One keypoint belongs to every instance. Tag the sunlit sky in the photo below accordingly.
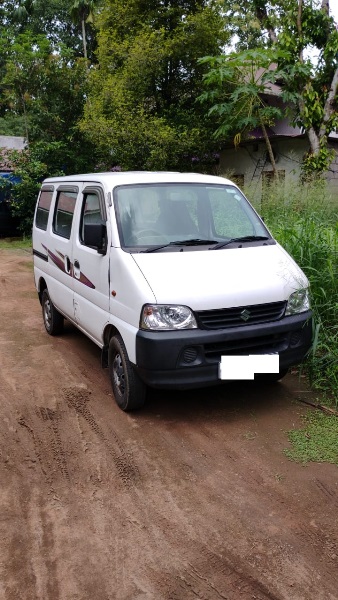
(334, 9)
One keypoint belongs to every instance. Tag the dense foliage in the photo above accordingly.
(141, 108)
(288, 33)
(307, 227)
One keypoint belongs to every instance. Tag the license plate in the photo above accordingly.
(245, 367)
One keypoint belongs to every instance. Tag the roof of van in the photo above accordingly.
(124, 177)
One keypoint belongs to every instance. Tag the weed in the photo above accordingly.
(317, 442)
(16, 243)
(306, 224)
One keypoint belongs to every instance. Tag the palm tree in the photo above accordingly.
(83, 11)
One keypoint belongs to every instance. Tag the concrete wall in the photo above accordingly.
(252, 162)
(11, 142)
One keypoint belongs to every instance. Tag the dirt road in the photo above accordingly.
(192, 498)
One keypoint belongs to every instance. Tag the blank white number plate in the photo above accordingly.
(245, 367)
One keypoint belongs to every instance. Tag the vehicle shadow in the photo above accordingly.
(228, 401)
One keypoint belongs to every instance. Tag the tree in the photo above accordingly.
(83, 11)
(52, 19)
(289, 29)
(30, 167)
(237, 88)
(141, 109)
(48, 90)
(38, 42)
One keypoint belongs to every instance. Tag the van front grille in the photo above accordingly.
(267, 344)
(240, 315)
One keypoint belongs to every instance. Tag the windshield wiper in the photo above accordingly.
(245, 238)
(189, 242)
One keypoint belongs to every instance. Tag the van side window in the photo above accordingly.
(43, 208)
(64, 211)
(91, 212)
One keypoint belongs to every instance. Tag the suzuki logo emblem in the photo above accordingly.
(245, 315)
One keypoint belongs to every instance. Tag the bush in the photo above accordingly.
(30, 167)
(307, 227)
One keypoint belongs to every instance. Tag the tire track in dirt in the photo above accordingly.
(309, 536)
(197, 570)
(330, 494)
(52, 417)
(29, 574)
(48, 442)
(44, 563)
(210, 577)
(40, 453)
(128, 472)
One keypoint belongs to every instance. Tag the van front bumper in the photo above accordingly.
(189, 358)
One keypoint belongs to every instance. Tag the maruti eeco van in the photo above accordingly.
(174, 276)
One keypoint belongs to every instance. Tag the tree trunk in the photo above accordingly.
(25, 119)
(314, 141)
(270, 151)
(326, 6)
(329, 105)
(84, 41)
(263, 18)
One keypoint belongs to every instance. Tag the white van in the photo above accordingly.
(173, 275)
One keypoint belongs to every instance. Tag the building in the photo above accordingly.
(250, 164)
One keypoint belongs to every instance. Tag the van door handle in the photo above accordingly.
(67, 265)
(77, 272)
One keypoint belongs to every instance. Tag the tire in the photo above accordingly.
(52, 319)
(129, 390)
(271, 377)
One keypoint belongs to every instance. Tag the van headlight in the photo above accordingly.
(161, 317)
(298, 302)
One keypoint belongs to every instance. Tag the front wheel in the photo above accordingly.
(52, 319)
(129, 390)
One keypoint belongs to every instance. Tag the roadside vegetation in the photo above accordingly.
(316, 441)
(24, 243)
(304, 220)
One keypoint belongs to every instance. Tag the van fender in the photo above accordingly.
(128, 334)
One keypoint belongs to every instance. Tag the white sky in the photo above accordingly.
(334, 9)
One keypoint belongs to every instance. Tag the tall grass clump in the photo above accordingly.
(304, 219)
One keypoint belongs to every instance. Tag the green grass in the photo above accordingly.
(15, 243)
(317, 441)
(305, 221)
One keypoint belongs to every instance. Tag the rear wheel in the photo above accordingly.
(129, 390)
(53, 320)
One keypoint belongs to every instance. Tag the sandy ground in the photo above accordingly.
(191, 498)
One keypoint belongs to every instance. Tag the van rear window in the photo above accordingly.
(64, 211)
(43, 208)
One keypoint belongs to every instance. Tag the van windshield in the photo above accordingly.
(163, 217)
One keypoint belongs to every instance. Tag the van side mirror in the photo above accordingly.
(95, 236)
